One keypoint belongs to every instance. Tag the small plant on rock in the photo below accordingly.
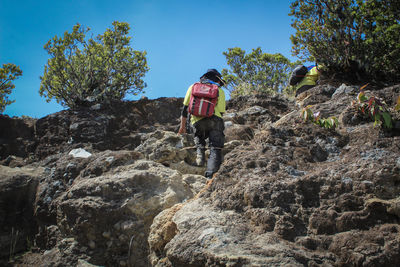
(374, 108)
(308, 115)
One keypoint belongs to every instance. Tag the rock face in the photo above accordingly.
(117, 127)
(17, 193)
(17, 140)
(108, 212)
(295, 195)
(118, 187)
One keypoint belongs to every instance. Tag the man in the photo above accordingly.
(309, 80)
(207, 127)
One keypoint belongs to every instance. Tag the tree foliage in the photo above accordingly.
(97, 69)
(256, 72)
(8, 73)
(343, 33)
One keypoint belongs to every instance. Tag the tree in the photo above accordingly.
(99, 70)
(345, 33)
(256, 72)
(8, 73)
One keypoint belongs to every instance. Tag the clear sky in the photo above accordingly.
(182, 38)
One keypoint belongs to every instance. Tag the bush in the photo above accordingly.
(256, 72)
(98, 70)
(8, 73)
(349, 34)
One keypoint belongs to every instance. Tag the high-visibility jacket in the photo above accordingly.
(310, 78)
(219, 108)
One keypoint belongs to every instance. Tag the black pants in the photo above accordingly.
(303, 89)
(213, 129)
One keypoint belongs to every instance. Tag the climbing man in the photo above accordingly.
(205, 101)
(304, 78)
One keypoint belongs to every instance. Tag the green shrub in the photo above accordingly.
(345, 33)
(8, 73)
(98, 69)
(256, 72)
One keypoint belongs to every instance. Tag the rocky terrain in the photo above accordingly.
(117, 186)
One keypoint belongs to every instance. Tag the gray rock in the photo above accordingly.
(17, 197)
(126, 200)
(293, 194)
(80, 153)
(344, 90)
(168, 148)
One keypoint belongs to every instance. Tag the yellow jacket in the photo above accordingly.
(219, 108)
(310, 79)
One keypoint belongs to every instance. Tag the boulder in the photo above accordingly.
(111, 214)
(17, 138)
(17, 194)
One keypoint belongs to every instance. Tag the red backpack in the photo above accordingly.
(203, 99)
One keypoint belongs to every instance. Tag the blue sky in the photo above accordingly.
(182, 38)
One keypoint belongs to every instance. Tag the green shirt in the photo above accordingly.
(219, 108)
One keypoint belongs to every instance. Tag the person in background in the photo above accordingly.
(309, 81)
(207, 127)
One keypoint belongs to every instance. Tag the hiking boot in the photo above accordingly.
(214, 160)
(208, 174)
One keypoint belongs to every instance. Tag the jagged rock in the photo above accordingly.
(194, 182)
(17, 137)
(296, 194)
(275, 105)
(238, 132)
(162, 230)
(172, 150)
(60, 173)
(114, 127)
(113, 196)
(79, 153)
(66, 252)
(17, 194)
(166, 147)
(288, 192)
(315, 95)
(344, 90)
(185, 168)
(206, 236)
(114, 211)
(13, 161)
